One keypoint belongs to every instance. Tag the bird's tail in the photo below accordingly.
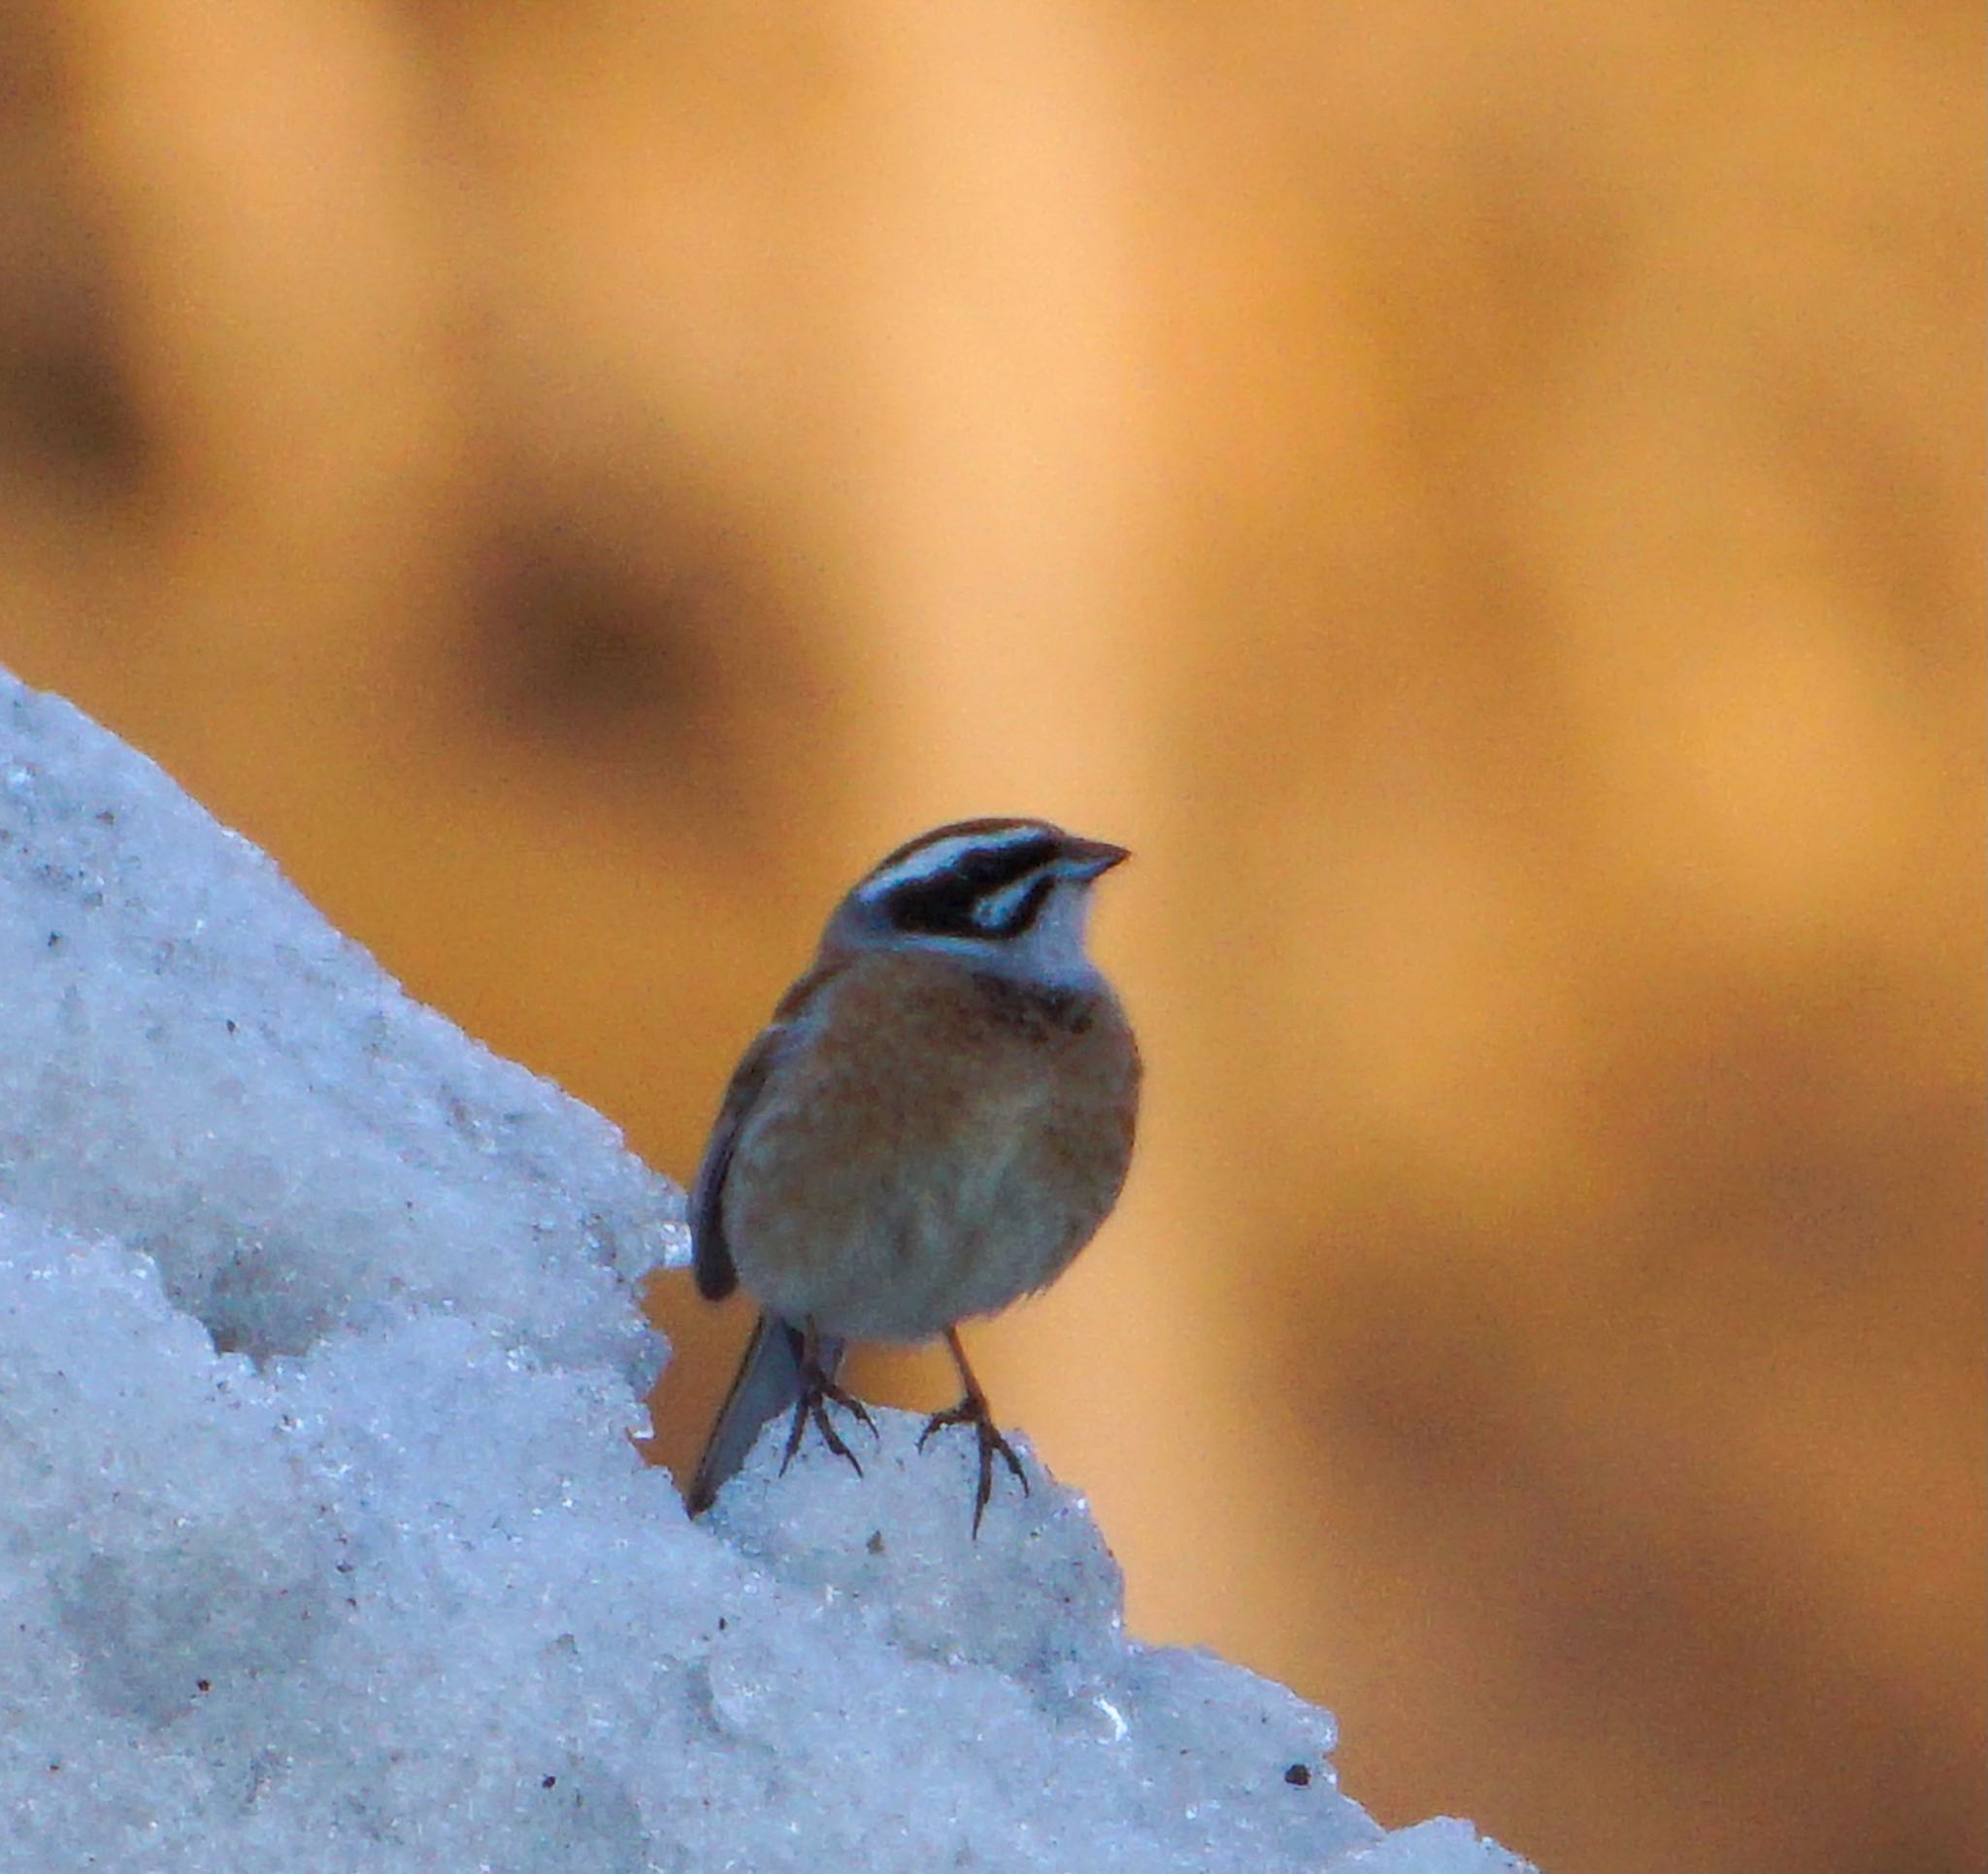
(768, 1383)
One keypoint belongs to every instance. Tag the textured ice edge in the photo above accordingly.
(322, 1542)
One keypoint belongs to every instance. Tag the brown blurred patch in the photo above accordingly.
(67, 409)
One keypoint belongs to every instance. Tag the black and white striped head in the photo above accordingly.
(1005, 895)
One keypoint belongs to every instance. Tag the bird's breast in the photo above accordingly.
(922, 1164)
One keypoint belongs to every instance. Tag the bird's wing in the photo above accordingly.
(711, 1256)
(769, 1376)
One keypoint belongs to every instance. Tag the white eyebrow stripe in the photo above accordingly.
(942, 855)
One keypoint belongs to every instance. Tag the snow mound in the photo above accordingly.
(323, 1543)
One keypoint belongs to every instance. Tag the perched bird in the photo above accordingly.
(936, 1120)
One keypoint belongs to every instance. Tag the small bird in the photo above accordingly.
(937, 1119)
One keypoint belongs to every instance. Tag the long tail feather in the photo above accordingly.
(768, 1383)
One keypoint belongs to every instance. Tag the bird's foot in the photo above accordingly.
(972, 1410)
(817, 1393)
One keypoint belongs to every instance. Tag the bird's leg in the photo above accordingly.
(819, 1390)
(972, 1410)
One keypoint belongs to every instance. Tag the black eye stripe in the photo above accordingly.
(994, 868)
(943, 903)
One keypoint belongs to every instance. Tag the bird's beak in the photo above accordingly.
(1088, 858)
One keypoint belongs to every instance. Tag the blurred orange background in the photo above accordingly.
(1487, 501)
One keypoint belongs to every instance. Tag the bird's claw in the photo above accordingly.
(817, 1393)
(972, 1410)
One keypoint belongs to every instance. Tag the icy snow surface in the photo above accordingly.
(322, 1542)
